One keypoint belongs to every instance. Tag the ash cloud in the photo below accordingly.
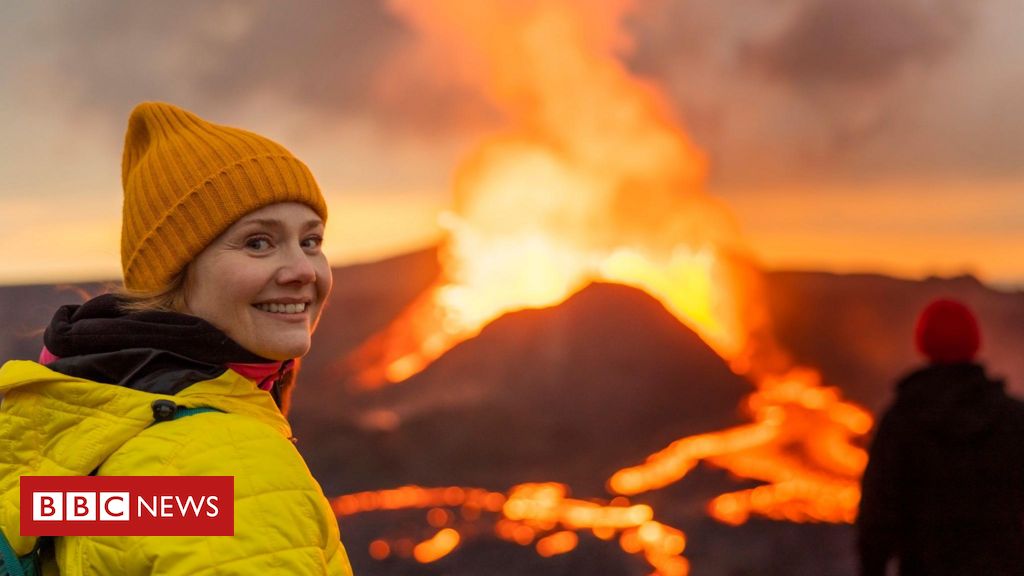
(324, 57)
(836, 90)
(839, 41)
(223, 50)
(771, 89)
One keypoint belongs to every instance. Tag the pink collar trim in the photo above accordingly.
(46, 357)
(262, 374)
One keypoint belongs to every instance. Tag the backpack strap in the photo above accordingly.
(165, 410)
(10, 564)
(13, 565)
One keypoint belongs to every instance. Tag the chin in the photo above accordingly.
(282, 351)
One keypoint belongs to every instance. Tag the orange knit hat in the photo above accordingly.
(187, 180)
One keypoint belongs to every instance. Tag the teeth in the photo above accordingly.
(282, 308)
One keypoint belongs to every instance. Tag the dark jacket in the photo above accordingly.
(943, 491)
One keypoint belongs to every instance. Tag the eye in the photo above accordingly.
(312, 242)
(257, 243)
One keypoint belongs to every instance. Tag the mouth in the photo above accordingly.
(282, 307)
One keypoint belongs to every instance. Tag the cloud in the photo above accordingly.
(325, 56)
(828, 97)
(223, 50)
(334, 59)
(847, 42)
(771, 89)
(840, 90)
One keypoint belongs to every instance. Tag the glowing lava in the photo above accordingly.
(541, 515)
(801, 444)
(593, 180)
(577, 190)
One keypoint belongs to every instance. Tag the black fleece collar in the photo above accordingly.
(99, 326)
(158, 352)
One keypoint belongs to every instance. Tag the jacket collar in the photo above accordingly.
(227, 392)
(40, 406)
(159, 352)
(100, 326)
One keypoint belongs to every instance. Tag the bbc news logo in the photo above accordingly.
(127, 506)
(116, 506)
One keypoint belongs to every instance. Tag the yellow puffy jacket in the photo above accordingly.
(54, 425)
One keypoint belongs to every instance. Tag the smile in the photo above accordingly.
(274, 308)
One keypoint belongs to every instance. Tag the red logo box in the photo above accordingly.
(127, 505)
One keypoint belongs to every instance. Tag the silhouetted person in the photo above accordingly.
(943, 492)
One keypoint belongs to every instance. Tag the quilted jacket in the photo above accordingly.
(53, 424)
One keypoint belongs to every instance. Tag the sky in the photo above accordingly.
(849, 136)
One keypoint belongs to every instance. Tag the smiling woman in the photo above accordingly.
(224, 282)
(264, 281)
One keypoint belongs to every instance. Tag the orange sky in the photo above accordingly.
(831, 157)
(795, 229)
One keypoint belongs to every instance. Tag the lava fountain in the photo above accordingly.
(593, 180)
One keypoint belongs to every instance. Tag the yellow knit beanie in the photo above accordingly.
(187, 180)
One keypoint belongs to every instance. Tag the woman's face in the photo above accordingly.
(263, 282)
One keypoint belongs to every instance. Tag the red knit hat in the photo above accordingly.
(947, 332)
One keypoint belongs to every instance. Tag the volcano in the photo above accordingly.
(572, 393)
(579, 389)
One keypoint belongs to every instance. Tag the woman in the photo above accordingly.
(186, 372)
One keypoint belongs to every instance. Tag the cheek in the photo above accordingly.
(324, 279)
(214, 304)
(202, 300)
(243, 279)
(227, 295)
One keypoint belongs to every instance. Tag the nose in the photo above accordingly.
(296, 268)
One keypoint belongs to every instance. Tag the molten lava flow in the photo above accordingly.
(538, 514)
(592, 180)
(416, 497)
(437, 547)
(801, 444)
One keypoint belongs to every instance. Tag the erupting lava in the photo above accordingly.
(593, 181)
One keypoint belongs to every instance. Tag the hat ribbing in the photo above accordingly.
(187, 180)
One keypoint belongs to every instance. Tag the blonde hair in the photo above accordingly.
(169, 298)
